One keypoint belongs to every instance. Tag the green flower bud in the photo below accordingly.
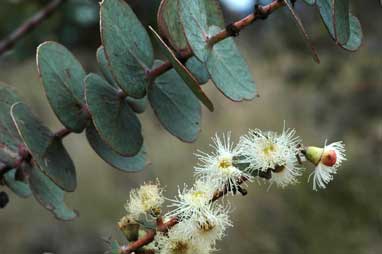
(314, 154)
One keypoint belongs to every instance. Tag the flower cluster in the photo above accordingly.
(200, 221)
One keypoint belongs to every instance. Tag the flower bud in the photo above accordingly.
(326, 160)
(314, 154)
(329, 158)
(129, 227)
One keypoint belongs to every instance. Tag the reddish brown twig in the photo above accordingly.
(246, 21)
(308, 41)
(30, 24)
(164, 227)
(62, 133)
(146, 239)
(237, 26)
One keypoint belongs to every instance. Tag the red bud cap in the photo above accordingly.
(329, 158)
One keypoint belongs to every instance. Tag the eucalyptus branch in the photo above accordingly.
(29, 25)
(231, 30)
(260, 13)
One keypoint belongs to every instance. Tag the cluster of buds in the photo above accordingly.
(195, 222)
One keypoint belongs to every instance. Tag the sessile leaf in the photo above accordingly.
(49, 195)
(126, 164)
(115, 121)
(229, 71)
(46, 149)
(183, 72)
(176, 107)
(193, 15)
(335, 14)
(127, 46)
(62, 76)
(355, 39)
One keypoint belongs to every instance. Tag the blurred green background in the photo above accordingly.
(340, 99)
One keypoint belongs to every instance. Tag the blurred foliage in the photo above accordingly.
(338, 99)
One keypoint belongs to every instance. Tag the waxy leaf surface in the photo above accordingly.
(46, 149)
(127, 164)
(127, 45)
(115, 121)
(62, 76)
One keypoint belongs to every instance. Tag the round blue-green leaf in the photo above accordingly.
(183, 72)
(355, 39)
(9, 136)
(325, 9)
(176, 107)
(214, 13)
(115, 121)
(172, 29)
(49, 195)
(62, 76)
(127, 45)
(310, 2)
(229, 71)
(193, 15)
(105, 66)
(46, 149)
(335, 14)
(138, 105)
(20, 188)
(170, 26)
(341, 20)
(198, 69)
(127, 164)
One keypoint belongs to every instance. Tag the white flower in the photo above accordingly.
(327, 161)
(177, 242)
(148, 199)
(286, 175)
(193, 201)
(208, 228)
(265, 150)
(269, 151)
(218, 167)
